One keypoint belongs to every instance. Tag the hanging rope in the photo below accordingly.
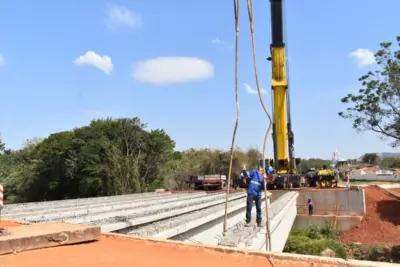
(251, 20)
(236, 4)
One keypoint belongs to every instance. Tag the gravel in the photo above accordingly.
(241, 236)
(157, 227)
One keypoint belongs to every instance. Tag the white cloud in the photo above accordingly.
(172, 70)
(363, 57)
(101, 62)
(253, 91)
(218, 41)
(120, 17)
(2, 60)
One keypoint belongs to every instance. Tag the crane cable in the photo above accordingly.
(236, 4)
(251, 20)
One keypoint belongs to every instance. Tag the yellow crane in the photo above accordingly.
(284, 161)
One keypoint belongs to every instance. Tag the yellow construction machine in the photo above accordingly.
(284, 162)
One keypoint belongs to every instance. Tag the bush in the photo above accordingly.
(328, 231)
(314, 232)
(299, 232)
(314, 240)
(382, 253)
(307, 246)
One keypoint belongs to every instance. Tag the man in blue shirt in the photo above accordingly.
(310, 206)
(254, 192)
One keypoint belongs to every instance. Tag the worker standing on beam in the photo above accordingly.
(254, 194)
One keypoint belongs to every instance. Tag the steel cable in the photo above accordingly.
(250, 9)
(236, 4)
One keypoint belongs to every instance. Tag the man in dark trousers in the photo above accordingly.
(254, 192)
(310, 206)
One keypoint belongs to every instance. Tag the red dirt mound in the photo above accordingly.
(7, 224)
(381, 223)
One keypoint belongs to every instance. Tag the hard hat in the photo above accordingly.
(309, 198)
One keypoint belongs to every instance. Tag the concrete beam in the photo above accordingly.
(180, 224)
(211, 232)
(281, 216)
(118, 223)
(284, 214)
(87, 213)
(35, 236)
(29, 209)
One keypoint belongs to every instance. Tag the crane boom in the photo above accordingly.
(283, 137)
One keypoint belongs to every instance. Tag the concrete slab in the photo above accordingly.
(333, 202)
(343, 223)
(282, 214)
(35, 236)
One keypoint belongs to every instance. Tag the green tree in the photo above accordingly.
(370, 158)
(376, 107)
(390, 163)
(2, 145)
(253, 157)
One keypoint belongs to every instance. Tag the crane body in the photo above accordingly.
(284, 161)
(282, 134)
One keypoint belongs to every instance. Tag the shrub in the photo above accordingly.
(314, 232)
(307, 246)
(314, 240)
(328, 231)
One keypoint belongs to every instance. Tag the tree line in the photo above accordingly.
(111, 157)
(375, 159)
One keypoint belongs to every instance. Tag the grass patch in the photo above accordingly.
(314, 240)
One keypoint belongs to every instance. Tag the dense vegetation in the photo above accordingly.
(322, 241)
(373, 158)
(109, 157)
(315, 240)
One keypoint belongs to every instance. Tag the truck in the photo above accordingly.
(208, 182)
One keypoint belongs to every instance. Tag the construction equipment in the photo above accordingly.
(283, 137)
(208, 182)
(326, 178)
(323, 178)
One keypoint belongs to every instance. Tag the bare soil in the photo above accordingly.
(395, 191)
(7, 224)
(381, 223)
(111, 251)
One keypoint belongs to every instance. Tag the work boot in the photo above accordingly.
(248, 224)
(259, 224)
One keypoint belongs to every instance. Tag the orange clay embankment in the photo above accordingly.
(124, 251)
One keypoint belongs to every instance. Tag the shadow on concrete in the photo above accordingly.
(389, 211)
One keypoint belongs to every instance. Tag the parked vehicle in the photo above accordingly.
(208, 182)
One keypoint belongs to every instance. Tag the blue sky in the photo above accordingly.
(46, 87)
